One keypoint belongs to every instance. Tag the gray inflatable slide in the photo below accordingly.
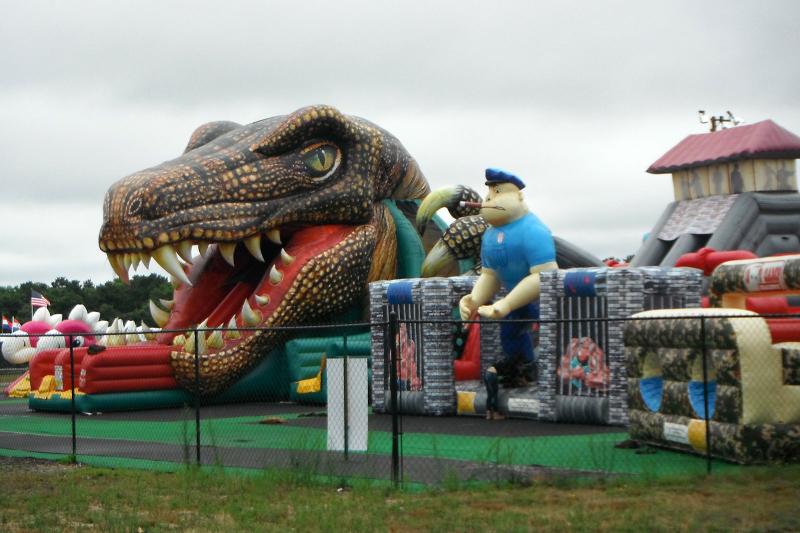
(765, 223)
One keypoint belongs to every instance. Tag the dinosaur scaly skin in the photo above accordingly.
(312, 182)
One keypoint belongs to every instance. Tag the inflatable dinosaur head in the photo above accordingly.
(287, 217)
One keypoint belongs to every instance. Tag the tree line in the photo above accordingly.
(113, 299)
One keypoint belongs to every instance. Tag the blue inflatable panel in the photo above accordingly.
(399, 292)
(696, 398)
(651, 388)
(580, 283)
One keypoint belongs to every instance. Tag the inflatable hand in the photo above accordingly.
(497, 310)
(467, 307)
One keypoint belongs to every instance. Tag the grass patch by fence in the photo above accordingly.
(54, 496)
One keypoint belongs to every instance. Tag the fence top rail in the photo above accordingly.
(384, 323)
(597, 319)
(316, 327)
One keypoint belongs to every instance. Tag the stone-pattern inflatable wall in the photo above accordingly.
(613, 294)
(436, 298)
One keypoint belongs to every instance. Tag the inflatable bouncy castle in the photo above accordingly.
(280, 223)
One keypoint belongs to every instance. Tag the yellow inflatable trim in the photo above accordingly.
(47, 389)
(466, 402)
(310, 385)
(22, 389)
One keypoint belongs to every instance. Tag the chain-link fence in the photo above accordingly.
(666, 392)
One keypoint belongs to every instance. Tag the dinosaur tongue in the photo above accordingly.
(251, 291)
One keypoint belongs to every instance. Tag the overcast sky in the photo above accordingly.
(578, 98)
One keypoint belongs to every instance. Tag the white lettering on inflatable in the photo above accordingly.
(523, 405)
(676, 432)
(764, 277)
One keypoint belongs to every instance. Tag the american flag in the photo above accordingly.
(37, 300)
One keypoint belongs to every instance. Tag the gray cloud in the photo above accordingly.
(578, 97)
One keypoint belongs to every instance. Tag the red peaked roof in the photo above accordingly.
(763, 139)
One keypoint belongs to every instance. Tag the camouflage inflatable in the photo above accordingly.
(749, 385)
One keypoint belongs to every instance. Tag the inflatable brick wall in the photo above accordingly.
(425, 350)
(582, 355)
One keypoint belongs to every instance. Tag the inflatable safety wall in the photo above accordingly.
(751, 390)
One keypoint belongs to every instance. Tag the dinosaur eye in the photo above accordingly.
(78, 341)
(321, 160)
(135, 206)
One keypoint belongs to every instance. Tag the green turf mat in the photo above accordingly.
(594, 452)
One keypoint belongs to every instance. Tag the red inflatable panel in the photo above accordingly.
(767, 305)
(469, 366)
(128, 385)
(62, 360)
(128, 368)
(707, 259)
(136, 355)
(96, 373)
(41, 365)
(784, 329)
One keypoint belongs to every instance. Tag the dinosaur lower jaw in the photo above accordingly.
(230, 312)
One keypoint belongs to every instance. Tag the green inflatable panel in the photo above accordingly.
(305, 356)
(410, 252)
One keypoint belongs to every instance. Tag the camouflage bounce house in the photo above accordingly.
(726, 369)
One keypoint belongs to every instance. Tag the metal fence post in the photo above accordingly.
(346, 400)
(393, 328)
(705, 393)
(197, 395)
(72, 396)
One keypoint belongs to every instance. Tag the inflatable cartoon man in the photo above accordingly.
(515, 249)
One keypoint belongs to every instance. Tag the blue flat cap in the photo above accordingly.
(496, 175)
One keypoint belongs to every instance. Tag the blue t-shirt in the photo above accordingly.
(512, 250)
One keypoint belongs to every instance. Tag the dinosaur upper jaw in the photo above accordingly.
(248, 292)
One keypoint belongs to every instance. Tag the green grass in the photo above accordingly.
(67, 498)
(583, 452)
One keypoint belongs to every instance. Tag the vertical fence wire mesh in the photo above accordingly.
(696, 400)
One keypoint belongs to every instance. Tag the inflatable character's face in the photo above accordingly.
(503, 204)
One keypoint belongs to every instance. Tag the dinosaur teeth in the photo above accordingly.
(232, 332)
(202, 247)
(145, 259)
(114, 339)
(274, 235)
(215, 341)
(202, 345)
(185, 250)
(115, 260)
(167, 304)
(165, 256)
(227, 249)
(262, 300)
(160, 316)
(286, 258)
(126, 261)
(145, 331)
(275, 275)
(253, 245)
(135, 260)
(250, 317)
(189, 344)
(179, 340)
